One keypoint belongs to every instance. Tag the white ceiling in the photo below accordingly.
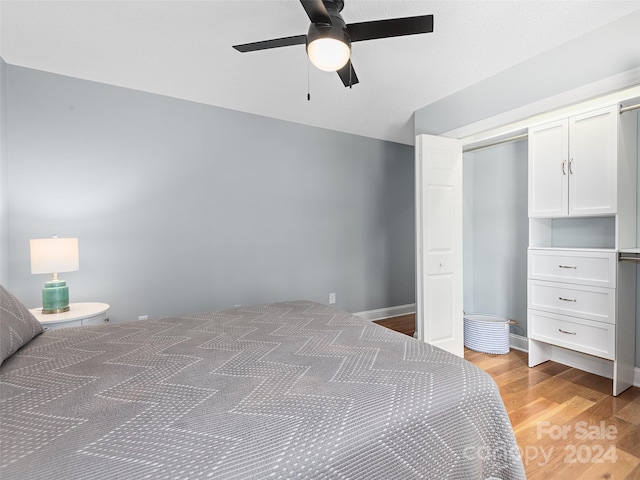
(183, 49)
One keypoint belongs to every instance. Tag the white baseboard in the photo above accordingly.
(387, 312)
(518, 342)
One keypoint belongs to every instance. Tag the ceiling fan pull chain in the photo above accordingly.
(308, 82)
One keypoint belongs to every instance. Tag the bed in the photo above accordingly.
(287, 390)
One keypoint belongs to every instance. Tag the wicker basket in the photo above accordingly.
(486, 333)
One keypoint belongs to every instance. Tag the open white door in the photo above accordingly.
(439, 314)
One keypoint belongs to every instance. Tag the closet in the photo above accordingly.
(582, 209)
(496, 233)
(579, 295)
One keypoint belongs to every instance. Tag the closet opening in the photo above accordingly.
(496, 231)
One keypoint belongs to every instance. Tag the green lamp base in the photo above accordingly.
(55, 297)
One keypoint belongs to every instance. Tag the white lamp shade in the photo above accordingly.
(54, 255)
(328, 54)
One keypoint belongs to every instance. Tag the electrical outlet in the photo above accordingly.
(332, 298)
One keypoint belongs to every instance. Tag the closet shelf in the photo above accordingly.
(629, 254)
(574, 249)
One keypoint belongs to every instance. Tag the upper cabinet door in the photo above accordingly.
(573, 165)
(549, 170)
(593, 162)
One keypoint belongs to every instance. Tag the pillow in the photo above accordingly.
(17, 325)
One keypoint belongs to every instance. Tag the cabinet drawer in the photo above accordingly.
(97, 320)
(593, 338)
(593, 303)
(582, 267)
(57, 325)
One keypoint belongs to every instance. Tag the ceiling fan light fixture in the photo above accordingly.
(328, 54)
(328, 47)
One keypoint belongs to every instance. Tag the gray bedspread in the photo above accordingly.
(288, 390)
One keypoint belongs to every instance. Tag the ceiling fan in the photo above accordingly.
(328, 41)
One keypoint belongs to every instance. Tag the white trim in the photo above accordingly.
(615, 89)
(387, 312)
(581, 361)
(518, 342)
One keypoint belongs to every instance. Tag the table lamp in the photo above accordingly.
(54, 255)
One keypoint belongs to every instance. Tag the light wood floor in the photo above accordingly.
(566, 422)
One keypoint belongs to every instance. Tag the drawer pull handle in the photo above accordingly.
(568, 266)
(564, 331)
(567, 299)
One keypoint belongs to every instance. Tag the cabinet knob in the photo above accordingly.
(564, 164)
(571, 166)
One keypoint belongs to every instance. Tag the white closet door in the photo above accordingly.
(439, 315)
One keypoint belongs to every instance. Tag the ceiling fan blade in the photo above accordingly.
(348, 75)
(393, 27)
(316, 11)
(275, 43)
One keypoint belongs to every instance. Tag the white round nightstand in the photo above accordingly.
(79, 314)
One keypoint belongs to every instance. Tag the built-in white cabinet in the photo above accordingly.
(573, 165)
(578, 309)
(581, 301)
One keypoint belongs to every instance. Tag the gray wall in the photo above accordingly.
(4, 184)
(496, 232)
(181, 207)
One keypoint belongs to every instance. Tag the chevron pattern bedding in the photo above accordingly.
(293, 390)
